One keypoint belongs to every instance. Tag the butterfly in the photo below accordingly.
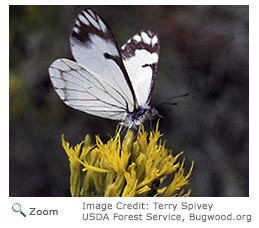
(108, 81)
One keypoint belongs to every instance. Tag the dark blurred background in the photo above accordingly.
(204, 51)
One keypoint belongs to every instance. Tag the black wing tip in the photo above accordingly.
(89, 22)
(150, 32)
(88, 11)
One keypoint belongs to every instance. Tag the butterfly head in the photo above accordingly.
(139, 116)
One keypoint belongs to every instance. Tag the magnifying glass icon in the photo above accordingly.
(18, 208)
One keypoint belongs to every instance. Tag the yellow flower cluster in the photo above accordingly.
(128, 167)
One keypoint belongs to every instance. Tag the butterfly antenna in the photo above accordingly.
(167, 103)
(175, 97)
(179, 96)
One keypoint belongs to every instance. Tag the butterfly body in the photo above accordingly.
(108, 81)
(139, 116)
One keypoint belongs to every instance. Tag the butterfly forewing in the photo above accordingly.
(94, 47)
(140, 57)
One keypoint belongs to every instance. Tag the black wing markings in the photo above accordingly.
(83, 29)
(128, 50)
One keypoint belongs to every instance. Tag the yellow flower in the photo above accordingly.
(140, 166)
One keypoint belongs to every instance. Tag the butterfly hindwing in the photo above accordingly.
(140, 57)
(94, 47)
(86, 91)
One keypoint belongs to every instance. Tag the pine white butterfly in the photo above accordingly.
(106, 81)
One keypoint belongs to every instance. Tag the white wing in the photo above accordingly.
(104, 81)
(140, 57)
(94, 48)
(86, 91)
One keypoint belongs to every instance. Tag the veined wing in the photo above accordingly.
(140, 57)
(94, 47)
(87, 91)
